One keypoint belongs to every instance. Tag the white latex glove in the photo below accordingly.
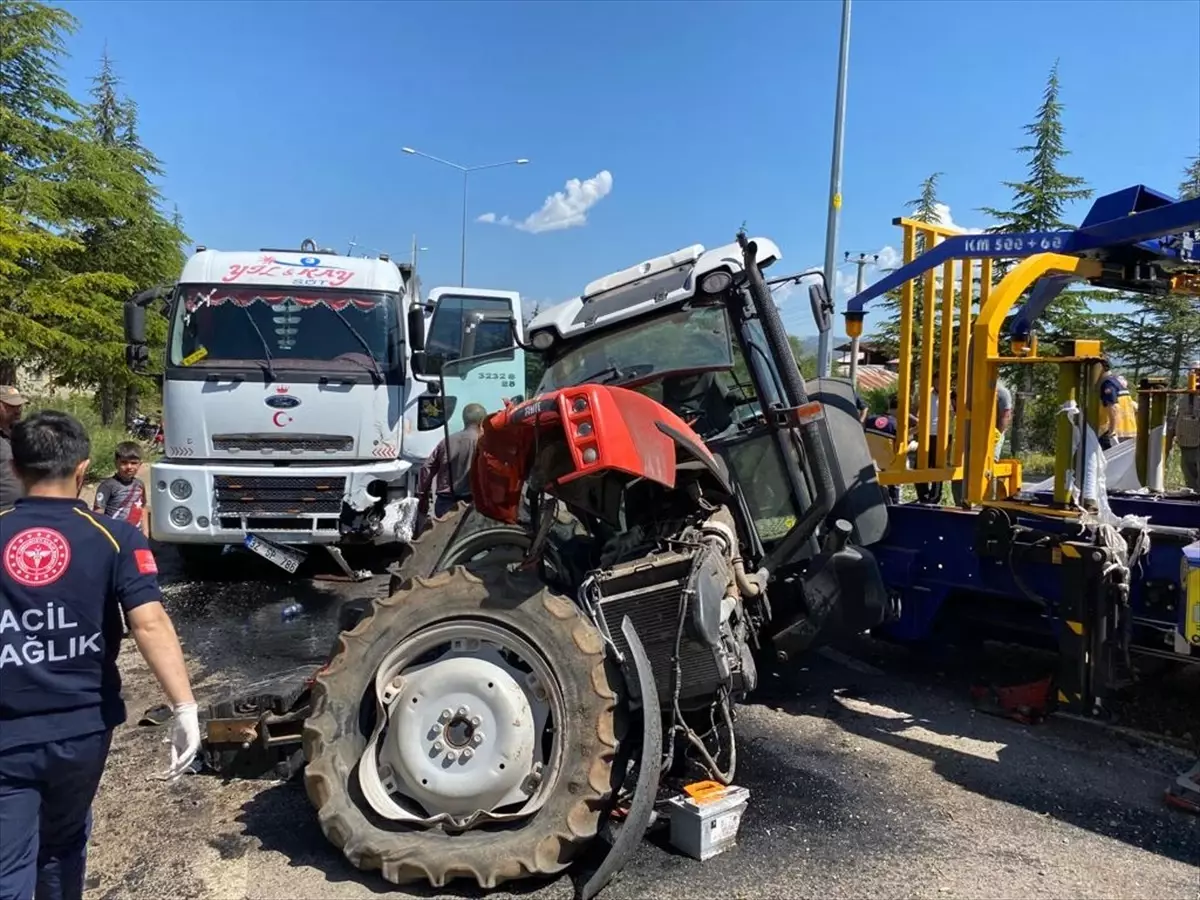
(184, 739)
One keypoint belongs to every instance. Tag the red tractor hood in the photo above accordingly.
(606, 429)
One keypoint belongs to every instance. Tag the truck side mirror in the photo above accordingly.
(418, 362)
(433, 411)
(137, 357)
(135, 322)
(822, 306)
(416, 328)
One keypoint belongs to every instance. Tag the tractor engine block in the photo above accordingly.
(683, 604)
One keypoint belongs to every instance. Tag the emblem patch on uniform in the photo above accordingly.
(37, 557)
(145, 562)
(881, 422)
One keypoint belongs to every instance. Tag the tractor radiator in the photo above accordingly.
(648, 590)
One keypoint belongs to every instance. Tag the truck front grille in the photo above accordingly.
(265, 495)
(275, 443)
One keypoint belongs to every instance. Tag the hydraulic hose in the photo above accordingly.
(796, 395)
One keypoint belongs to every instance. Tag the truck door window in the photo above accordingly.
(488, 318)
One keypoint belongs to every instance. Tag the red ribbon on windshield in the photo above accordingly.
(245, 299)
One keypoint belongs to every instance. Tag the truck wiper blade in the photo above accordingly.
(604, 376)
(378, 372)
(266, 347)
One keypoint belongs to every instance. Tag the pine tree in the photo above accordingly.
(127, 233)
(925, 208)
(36, 145)
(1189, 188)
(79, 225)
(1039, 204)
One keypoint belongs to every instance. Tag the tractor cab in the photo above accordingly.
(686, 331)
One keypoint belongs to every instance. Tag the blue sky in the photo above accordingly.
(278, 121)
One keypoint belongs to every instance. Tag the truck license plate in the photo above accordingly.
(285, 557)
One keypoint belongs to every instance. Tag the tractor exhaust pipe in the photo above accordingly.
(796, 395)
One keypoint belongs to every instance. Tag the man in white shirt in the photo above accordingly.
(1183, 430)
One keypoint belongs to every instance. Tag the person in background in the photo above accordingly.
(1183, 430)
(447, 472)
(1004, 412)
(1113, 414)
(1126, 412)
(1004, 416)
(123, 496)
(881, 439)
(11, 405)
(931, 492)
(66, 576)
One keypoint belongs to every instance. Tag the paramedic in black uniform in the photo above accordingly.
(65, 577)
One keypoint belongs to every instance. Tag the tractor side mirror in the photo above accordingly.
(822, 306)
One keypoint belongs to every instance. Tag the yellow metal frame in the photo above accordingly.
(986, 359)
(964, 444)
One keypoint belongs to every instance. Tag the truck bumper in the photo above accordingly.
(217, 503)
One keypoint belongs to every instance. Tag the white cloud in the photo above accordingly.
(946, 221)
(563, 209)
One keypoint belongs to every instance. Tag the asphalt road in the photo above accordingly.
(862, 782)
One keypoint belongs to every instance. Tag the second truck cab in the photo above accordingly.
(292, 387)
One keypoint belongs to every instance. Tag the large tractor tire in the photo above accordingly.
(459, 537)
(494, 686)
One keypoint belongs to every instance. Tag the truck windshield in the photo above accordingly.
(685, 341)
(302, 328)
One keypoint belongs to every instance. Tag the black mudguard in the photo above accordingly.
(639, 679)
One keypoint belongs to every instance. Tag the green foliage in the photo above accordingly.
(104, 438)
(81, 228)
(1189, 188)
(887, 337)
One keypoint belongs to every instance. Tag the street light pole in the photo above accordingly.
(835, 180)
(466, 170)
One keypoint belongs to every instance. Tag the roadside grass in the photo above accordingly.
(1038, 466)
(104, 438)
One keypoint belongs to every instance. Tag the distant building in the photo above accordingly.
(876, 370)
(868, 355)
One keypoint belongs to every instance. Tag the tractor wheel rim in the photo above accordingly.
(473, 724)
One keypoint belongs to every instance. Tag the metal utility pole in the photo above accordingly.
(859, 284)
(416, 250)
(835, 181)
(466, 170)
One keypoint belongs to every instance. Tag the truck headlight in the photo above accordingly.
(542, 340)
(181, 489)
(181, 516)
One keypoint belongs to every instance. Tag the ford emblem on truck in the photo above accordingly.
(281, 401)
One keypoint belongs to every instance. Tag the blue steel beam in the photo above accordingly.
(1159, 230)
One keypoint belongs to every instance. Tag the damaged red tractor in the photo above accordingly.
(691, 504)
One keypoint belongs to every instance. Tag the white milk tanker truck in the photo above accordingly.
(294, 387)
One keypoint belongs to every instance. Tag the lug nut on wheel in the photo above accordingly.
(476, 721)
(477, 738)
(452, 756)
(438, 746)
(444, 715)
(468, 753)
(463, 711)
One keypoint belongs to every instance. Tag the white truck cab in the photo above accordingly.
(292, 385)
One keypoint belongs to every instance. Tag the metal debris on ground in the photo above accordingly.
(1184, 793)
